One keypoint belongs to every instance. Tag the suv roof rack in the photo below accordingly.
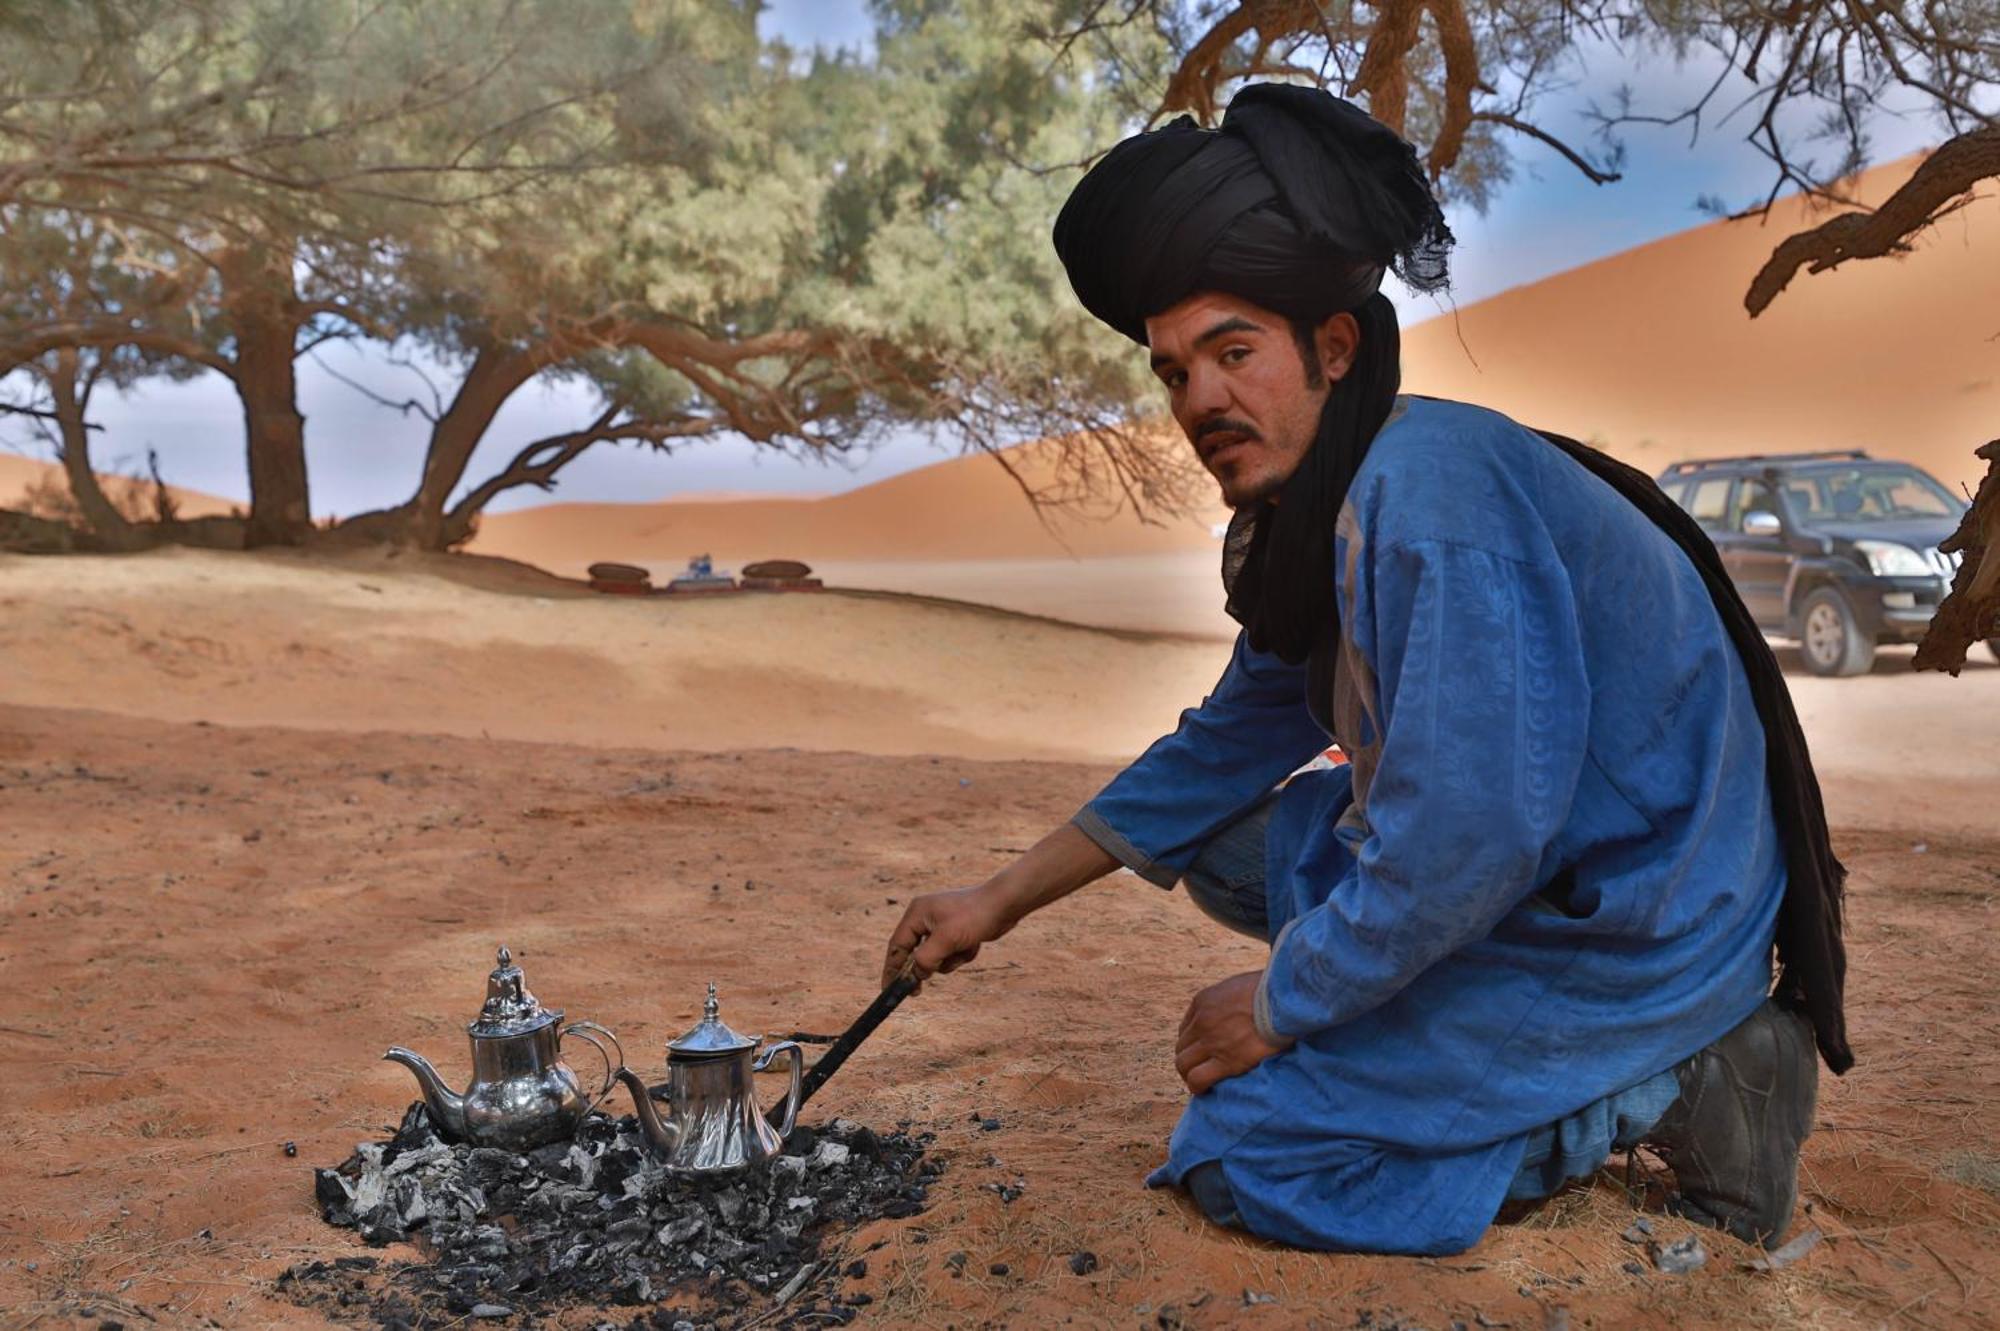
(1826, 455)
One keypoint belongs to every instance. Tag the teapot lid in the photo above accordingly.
(710, 1036)
(510, 1009)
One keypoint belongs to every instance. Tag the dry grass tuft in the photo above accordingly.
(1975, 1169)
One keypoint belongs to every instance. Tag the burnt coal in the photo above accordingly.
(596, 1222)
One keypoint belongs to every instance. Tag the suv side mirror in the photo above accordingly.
(1761, 522)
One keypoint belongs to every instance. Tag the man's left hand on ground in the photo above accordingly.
(1219, 1036)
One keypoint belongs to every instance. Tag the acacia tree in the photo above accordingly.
(1459, 77)
(70, 275)
(717, 237)
(860, 247)
(267, 166)
(57, 404)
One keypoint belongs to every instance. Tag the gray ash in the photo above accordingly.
(596, 1221)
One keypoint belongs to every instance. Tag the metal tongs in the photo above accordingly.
(837, 1053)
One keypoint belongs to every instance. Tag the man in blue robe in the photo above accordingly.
(1531, 920)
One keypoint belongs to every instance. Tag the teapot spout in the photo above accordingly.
(662, 1136)
(446, 1105)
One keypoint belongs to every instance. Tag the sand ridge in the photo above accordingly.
(380, 642)
(479, 647)
(1651, 354)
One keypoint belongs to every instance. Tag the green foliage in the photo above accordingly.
(953, 158)
(715, 234)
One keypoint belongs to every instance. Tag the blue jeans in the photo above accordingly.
(1226, 883)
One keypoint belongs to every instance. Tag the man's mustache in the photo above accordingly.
(1222, 425)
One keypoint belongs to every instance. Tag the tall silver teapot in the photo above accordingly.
(713, 1125)
(522, 1094)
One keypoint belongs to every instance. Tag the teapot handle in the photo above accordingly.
(582, 1030)
(791, 1105)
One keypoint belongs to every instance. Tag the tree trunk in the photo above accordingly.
(263, 308)
(492, 379)
(72, 395)
(1970, 613)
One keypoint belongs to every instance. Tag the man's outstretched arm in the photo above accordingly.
(944, 930)
(1246, 736)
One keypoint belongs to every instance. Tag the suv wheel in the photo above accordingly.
(1833, 643)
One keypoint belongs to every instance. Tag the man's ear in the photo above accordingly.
(1335, 342)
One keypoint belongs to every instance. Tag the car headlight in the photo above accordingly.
(1886, 559)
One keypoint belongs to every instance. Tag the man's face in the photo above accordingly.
(1240, 388)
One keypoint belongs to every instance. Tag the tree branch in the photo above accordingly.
(19, 347)
(10, 409)
(1461, 77)
(1938, 187)
(538, 463)
(1596, 175)
(375, 328)
(1194, 83)
(1384, 75)
(405, 407)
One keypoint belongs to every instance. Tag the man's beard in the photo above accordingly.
(1262, 490)
(1237, 495)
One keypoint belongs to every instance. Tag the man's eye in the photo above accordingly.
(1174, 380)
(1235, 355)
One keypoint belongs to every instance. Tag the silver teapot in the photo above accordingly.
(522, 1094)
(713, 1125)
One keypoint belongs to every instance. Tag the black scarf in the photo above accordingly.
(1812, 961)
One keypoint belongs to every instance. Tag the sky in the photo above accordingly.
(361, 455)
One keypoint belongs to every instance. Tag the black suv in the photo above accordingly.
(1835, 550)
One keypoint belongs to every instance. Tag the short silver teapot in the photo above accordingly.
(522, 1094)
(713, 1125)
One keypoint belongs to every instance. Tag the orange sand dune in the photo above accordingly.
(1648, 352)
(1651, 353)
(22, 478)
(966, 508)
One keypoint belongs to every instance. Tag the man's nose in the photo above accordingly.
(1207, 394)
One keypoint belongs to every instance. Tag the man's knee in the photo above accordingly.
(1235, 906)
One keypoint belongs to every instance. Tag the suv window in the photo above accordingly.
(1871, 492)
(1751, 497)
(1708, 502)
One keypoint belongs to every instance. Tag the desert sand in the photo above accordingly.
(269, 814)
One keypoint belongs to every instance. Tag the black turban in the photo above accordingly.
(1296, 204)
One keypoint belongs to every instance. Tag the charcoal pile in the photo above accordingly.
(596, 1221)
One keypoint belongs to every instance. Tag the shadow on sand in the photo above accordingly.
(1888, 660)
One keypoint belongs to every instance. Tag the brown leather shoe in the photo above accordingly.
(1733, 1136)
